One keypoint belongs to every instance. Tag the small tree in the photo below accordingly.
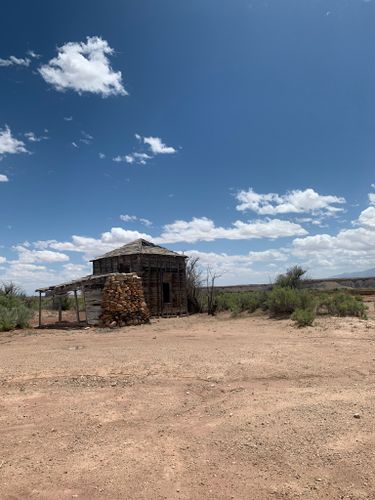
(10, 289)
(193, 284)
(293, 278)
(211, 277)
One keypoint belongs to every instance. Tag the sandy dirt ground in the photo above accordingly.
(190, 408)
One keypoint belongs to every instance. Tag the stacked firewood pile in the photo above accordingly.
(123, 301)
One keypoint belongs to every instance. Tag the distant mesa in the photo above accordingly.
(368, 273)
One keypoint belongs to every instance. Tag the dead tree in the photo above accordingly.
(211, 276)
(193, 284)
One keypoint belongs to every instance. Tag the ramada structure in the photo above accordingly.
(162, 273)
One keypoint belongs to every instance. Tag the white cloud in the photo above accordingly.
(204, 229)
(33, 54)
(30, 136)
(367, 217)
(157, 146)
(84, 67)
(92, 247)
(139, 158)
(101, 156)
(296, 201)
(134, 218)
(2, 259)
(68, 118)
(15, 61)
(348, 250)
(4, 178)
(235, 269)
(74, 144)
(25, 255)
(371, 198)
(86, 138)
(9, 144)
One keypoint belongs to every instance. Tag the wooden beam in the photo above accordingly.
(77, 305)
(60, 309)
(40, 309)
(84, 301)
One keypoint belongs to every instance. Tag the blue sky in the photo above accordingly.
(238, 131)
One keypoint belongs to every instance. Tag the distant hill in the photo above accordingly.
(368, 273)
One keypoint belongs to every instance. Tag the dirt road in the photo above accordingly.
(190, 408)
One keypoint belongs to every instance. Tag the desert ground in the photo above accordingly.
(190, 408)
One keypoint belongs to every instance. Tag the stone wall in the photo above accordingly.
(123, 301)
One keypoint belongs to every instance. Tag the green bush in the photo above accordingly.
(304, 317)
(16, 309)
(293, 278)
(239, 302)
(284, 301)
(14, 317)
(343, 304)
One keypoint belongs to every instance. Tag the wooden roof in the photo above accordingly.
(70, 286)
(139, 246)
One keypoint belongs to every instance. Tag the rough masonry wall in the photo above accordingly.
(123, 302)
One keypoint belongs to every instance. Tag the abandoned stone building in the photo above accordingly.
(162, 273)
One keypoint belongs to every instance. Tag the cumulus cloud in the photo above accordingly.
(2, 259)
(92, 247)
(296, 201)
(9, 144)
(367, 217)
(240, 268)
(101, 156)
(15, 61)
(157, 146)
(84, 67)
(25, 255)
(348, 250)
(4, 178)
(204, 229)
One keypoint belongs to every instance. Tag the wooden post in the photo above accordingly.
(40, 309)
(77, 305)
(84, 301)
(60, 309)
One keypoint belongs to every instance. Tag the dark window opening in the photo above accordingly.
(166, 293)
(123, 268)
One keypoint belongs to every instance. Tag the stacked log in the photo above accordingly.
(123, 301)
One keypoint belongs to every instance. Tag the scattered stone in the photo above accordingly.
(357, 415)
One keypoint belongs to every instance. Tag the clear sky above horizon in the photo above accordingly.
(238, 131)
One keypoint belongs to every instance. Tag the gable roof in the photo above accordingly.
(139, 246)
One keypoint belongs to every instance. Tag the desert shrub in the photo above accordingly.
(10, 289)
(14, 317)
(292, 278)
(16, 309)
(8, 319)
(303, 317)
(239, 302)
(344, 304)
(284, 301)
